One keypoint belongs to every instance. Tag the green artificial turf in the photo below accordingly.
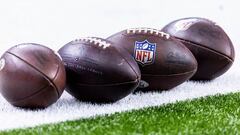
(210, 115)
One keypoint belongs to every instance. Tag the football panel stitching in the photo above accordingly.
(55, 78)
(138, 77)
(206, 48)
(114, 84)
(172, 74)
(33, 94)
(46, 77)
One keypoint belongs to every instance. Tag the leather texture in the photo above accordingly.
(33, 76)
(173, 63)
(98, 74)
(208, 42)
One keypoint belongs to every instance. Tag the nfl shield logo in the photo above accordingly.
(144, 52)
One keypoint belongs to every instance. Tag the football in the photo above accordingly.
(31, 76)
(164, 62)
(208, 42)
(98, 72)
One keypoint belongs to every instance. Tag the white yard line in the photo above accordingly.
(67, 108)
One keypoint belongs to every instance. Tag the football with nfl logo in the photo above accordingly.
(208, 42)
(164, 62)
(98, 72)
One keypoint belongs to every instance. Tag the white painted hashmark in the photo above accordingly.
(103, 20)
(67, 108)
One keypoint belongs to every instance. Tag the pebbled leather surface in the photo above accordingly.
(98, 74)
(208, 42)
(172, 58)
(30, 69)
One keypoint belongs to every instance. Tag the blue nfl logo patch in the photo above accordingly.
(144, 52)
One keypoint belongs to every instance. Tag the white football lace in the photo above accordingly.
(95, 41)
(148, 30)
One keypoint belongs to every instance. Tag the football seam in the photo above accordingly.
(226, 64)
(206, 48)
(138, 77)
(113, 84)
(46, 77)
(35, 93)
(55, 78)
(171, 74)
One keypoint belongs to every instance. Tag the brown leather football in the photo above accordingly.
(31, 76)
(164, 62)
(97, 71)
(208, 42)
